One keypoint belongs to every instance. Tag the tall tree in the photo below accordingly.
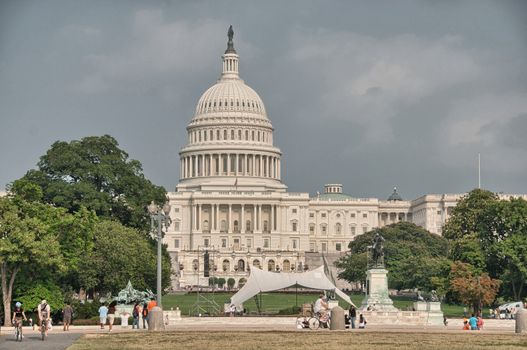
(121, 254)
(412, 256)
(95, 173)
(473, 288)
(27, 242)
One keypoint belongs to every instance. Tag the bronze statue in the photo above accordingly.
(230, 44)
(378, 250)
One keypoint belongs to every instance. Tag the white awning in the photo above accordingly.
(266, 281)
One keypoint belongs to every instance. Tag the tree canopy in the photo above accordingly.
(95, 173)
(412, 256)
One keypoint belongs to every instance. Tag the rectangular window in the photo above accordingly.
(338, 247)
(324, 247)
(311, 247)
(224, 242)
(294, 244)
(176, 243)
(176, 210)
(365, 215)
(311, 215)
(176, 226)
(266, 242)
(294, 226)
(323, 215)
(324, 230)
(364, 229)
(249, 243)
(206, 242)
(352, 230)
(294, 211)
(311, 228)
(352, 215)
(439, 212)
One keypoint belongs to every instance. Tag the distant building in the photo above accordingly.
(230, 199)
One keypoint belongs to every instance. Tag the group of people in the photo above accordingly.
(352, 317)
(107, 314)
(44, 315)
(474, 323)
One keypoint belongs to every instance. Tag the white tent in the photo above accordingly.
(265, 281)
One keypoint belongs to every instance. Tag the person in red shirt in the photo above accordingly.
(151, 304)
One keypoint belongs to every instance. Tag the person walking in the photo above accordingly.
(352, 316)
(111, 314)
(103, 314)
(145, 315)
(135, 314)
(67, 315)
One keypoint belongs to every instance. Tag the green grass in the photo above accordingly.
(273, 302)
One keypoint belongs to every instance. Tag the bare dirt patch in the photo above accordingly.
(301, 340)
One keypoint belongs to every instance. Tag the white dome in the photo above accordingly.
(230, 95)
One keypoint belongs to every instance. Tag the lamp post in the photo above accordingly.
(159, 216)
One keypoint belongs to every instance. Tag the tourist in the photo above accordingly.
(352, 316)
(111, 314)
(135, 314)
(232, 310)
(464, 311)
(466, 326)
(103, 314)
(145, 315)
(480, 323)
(320, 305)
(67, 314)
(362, 322)
(44, 312)
(473, 321)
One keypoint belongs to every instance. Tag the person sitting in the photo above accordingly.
(18, 315)
(321, 309)
(362, 322)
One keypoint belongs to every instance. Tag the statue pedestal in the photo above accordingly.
(378, 298)
(155, 319)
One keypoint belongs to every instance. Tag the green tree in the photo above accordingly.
(412, 256)
(33, 294)
(27, 244)
(121, 254)
(231, 282)
(221, 282)
(95, 173)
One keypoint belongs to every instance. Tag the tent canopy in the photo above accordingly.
(265, 281)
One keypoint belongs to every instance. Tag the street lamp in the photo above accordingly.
(159, 216)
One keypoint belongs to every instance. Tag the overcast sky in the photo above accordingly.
(371, 94)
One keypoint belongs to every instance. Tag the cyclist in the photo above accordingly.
(18, 315)
(321, 308)
(44, 312)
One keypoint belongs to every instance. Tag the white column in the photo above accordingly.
(194, 213)
(236, 170)
(279, 169)
(260, 218)
(198, 217)
(228, 164)
(272, 219)
(229, 228)
(242, 228)
(220, 159)
(254, 218)
(217, 216)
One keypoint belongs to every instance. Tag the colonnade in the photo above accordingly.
(211, 222)
(230, 164)
(386, 218)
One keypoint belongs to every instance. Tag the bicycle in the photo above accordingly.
(43, 328)
(319, 319)
(18, 330)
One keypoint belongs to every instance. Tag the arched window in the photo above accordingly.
(232, 134)
(338, 229)
(223, 226)
(266, 226)
(248, 226)
(270, 265)
(236, 228)
(256, 263)
(226, 265)
(241, 265)
(217, 134)
(206, 225)
(239, 134)
(225, 134)
(286, 266)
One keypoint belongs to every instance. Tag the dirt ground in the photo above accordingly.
(305, 340)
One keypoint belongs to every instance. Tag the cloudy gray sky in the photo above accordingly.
(371, 94)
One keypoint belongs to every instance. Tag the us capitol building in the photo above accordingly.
(230, 200)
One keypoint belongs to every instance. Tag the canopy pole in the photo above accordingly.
(296, 294)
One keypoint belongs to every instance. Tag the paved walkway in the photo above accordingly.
(60, 340)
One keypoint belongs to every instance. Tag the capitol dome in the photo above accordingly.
(230, 136)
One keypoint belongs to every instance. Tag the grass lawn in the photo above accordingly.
(305, 340)
(273, 302)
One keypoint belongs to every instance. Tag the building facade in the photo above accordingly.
(231, 203)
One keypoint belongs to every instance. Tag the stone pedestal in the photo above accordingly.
(378, 297)
(337, 319)
(420, 306)
(521, 321)
(155, 319)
